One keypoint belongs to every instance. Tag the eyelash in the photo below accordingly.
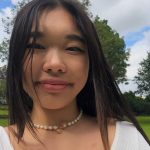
(75, 49)
(38, 46)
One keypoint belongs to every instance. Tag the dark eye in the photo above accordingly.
(75, 49)
(35, 46)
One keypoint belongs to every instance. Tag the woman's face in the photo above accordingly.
(60, 61)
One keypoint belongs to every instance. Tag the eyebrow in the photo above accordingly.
(73, 37)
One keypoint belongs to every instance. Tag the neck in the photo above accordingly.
(54, 116)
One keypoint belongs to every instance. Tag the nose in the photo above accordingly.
(54, 62)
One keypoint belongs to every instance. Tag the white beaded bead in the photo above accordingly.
(69, 123)
(50, 127)
(56, 128)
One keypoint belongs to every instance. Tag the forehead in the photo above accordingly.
(57, 20)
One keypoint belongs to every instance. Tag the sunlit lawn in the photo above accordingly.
(3, 122)
(145, 123)
(3, 112)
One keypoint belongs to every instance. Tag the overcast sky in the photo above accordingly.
(130, 18)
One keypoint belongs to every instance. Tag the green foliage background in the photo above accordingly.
(139, 105)
(2, 88)
(143, 78)
(114, 49)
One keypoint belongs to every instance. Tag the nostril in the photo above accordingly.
(55, 69)
(54, 63)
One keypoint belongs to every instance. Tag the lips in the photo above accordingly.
(53, 85)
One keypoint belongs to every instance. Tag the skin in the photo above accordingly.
(58, 61)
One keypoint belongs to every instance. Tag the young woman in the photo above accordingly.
(60, 90)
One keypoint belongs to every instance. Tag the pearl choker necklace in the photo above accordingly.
(59, 128)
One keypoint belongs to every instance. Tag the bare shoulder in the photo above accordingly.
(92, 124)
(10, 129)
(92, 121)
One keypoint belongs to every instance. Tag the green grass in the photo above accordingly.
(3, 122)
(3, 112)
(145, 123)
(3, 107)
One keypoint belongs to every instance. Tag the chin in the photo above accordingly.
(52, 107)
(60, 104)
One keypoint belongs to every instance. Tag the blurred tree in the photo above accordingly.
(3, 82)
(114, 49)
(3, 72)
(2, 88)
(138, 104)
(143, 77)
(86, 4)
(147, 98)
(8, 24)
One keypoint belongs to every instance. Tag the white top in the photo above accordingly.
(127, 137)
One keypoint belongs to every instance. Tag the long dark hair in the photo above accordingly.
(100, 97)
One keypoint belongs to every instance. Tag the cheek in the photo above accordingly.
(84, 66)
(81, 71)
